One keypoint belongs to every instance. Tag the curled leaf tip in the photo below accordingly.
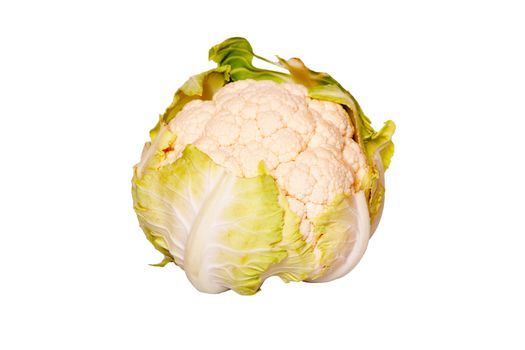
(163, 263)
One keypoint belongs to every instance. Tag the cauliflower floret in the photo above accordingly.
(306, 144)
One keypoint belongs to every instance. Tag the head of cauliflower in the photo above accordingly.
(253, 175)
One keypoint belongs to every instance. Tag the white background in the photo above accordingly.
(81, 83)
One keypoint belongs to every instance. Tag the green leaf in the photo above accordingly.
(237, 53)
(300, 260)
(343, 231)
(223, 230)
(164, 262)
(201, 86)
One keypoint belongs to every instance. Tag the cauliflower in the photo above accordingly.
(254, 173)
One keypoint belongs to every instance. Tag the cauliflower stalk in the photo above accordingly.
(253, 173)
